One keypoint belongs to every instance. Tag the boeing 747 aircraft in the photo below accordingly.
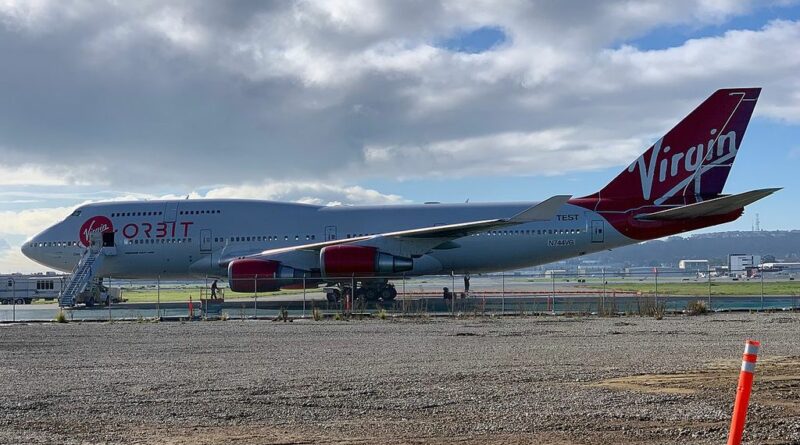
(674, 187)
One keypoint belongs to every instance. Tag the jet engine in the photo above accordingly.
(345, 261)
(261, 275)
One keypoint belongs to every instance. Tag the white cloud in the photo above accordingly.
(306, 192)
(12, 260)
(175, 93)
(29, 174)
(30, 221)
(548, 152)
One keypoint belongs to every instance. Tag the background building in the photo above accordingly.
(693, 265)
(738, 263)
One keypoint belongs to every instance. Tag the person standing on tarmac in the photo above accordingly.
(214, 289)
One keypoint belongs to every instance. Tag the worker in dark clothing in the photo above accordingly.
(446, 293)
(466, 284)
(214, 289)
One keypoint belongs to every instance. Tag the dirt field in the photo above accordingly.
(554, 380)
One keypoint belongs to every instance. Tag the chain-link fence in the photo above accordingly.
(651, 293)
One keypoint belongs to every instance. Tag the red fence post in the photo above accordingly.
(743, 391)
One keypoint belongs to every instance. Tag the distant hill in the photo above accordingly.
(783, 245)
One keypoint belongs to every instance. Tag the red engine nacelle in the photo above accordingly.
(345, 261)
(259, 275)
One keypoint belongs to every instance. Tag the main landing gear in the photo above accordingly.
(373, 290)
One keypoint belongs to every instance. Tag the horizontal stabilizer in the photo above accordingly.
(711, 207)
(544, 211)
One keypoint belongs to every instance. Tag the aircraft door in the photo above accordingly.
(96, 241)
(597, 231)
(330, 233)
(170, 211)
(108, 239)
(205, 240)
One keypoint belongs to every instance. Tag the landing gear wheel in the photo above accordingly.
(362, 294)
(388, 293)
(90, 302)
(19, 301)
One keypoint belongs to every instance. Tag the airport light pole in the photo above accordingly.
(761, 272)
(503, 295)
(655, 270)
(603, 301)
(709, 285)
(553, 304)
(404, 293)
(108, 299)
(304, 295)
(158, 296)
(453, 293)
(255, 297)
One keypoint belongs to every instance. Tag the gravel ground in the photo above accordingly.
(555, 380)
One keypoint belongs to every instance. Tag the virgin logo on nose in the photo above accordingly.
(97, 224)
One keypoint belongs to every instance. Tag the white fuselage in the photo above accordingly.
(187, 238)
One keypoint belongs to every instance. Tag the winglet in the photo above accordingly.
(544, 211)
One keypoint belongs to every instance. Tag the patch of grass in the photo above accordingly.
(697, 307)
(150, 295)
(316, 314)
(701, 288)
(61, 317)
(649, 307)
(283, 315)
(382, 314)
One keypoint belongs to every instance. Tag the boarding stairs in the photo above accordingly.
(81, 277)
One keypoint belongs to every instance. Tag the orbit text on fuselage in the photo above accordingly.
(683, 161)
(163, 229)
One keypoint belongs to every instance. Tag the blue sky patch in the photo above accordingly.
(672, 36)
(474, 41)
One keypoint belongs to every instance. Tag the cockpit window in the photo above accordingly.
(76, 213)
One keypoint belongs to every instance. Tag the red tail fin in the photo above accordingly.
(692, 161)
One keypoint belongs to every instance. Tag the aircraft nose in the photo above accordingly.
(27, 250)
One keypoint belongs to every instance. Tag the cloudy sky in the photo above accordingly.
(363, 102)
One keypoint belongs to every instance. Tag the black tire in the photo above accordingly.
(28, 300)
(19, 301)
(90, 302)
(388, 293)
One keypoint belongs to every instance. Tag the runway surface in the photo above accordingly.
(558, 380)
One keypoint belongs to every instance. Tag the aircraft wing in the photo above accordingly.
(419, 241)
(712, 207)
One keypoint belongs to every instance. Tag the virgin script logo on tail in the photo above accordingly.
(684, 162)
(96, 224)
